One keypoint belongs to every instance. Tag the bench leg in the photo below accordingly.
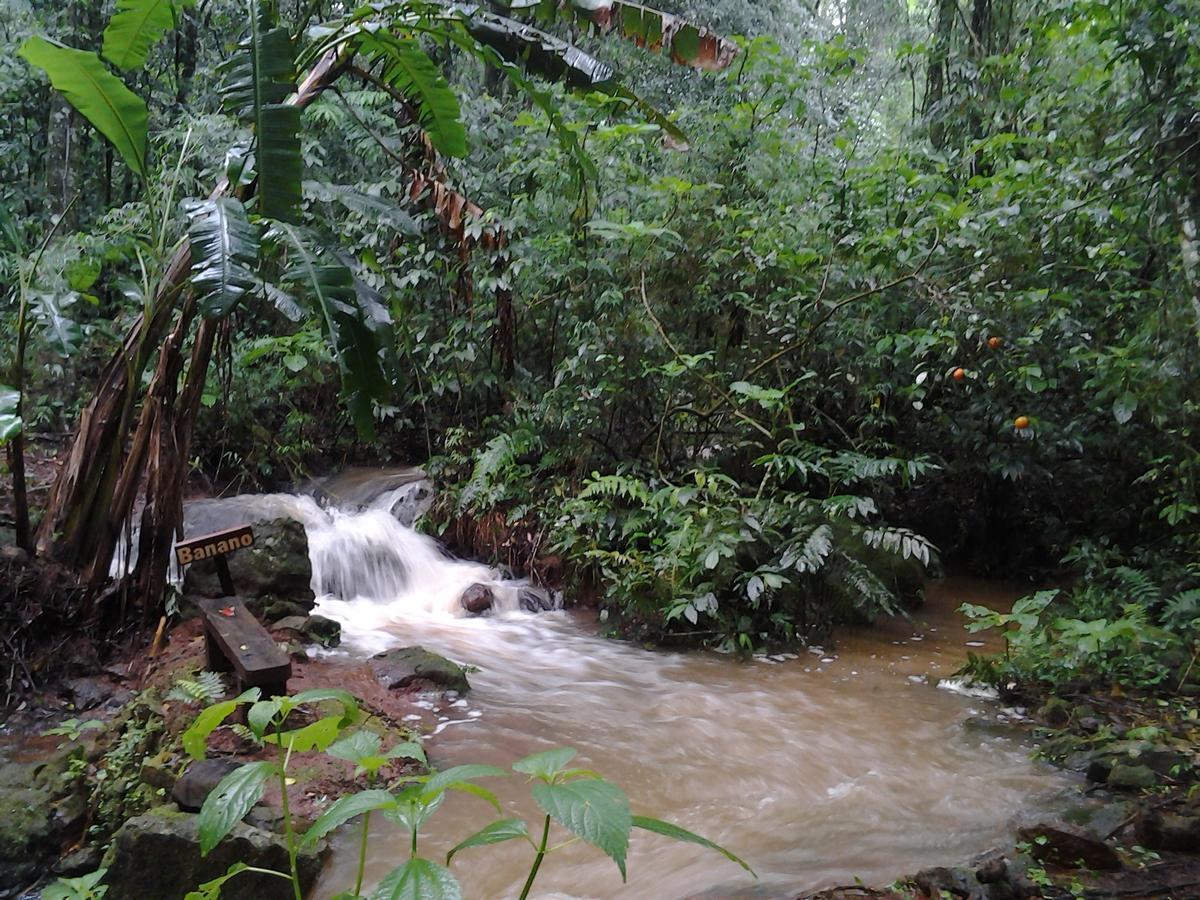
(268, 689)
(214, 656)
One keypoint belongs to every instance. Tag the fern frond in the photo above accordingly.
(1139, 585)
(810, 554)
(206, 687)
(901, 541)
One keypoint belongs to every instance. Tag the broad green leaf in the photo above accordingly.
(259, 78)
(260, 715)
(408, 68)
(682, 834)
(407, 750)
(211, 890)
(84, 887)
(343, 810)
(316, 736)
(61, 331)
(361, 744)
(99, 96)
(224, 247)
(364, 749)
(355, 333)
(497, 832)
(134, 28)
(412, 808)
(475, 790)
(209, 719)
(10, 422)
(546, 763)
(1124, 407)
(280, 164)
(418, 879)
(439, 781)
(230, 800)
(593, 809)
(320, 695)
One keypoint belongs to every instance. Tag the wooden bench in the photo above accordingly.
(236, 641)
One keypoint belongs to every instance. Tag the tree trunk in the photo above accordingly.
(938, 73)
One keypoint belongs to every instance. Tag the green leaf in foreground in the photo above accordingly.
(682, 834)
(496, 833)
(209, 719)
(343, 810)
(230, 800)
(211, 890)
(10, 422)
(593, 809)
(100, 96)
(545, 764)
(134, 28)
(418, 879)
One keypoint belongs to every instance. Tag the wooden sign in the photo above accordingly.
(212, 545)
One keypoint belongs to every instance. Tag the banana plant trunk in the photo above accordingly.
(107, 467)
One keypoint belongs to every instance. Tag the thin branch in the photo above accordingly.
(839, 305)
(725, 395)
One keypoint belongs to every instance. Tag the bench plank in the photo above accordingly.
(240, 642)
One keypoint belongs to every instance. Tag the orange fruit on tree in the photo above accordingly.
(994, 342)
(1021, 423)
(959, 374)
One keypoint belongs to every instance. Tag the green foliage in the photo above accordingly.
(85, 887)
(224, 248)
(10, 421)
(134, 28)
(228, 803)
(408, 69)
(1114, 629)
(748, 566)
(580, 801)
(72, 729)
(101, 97)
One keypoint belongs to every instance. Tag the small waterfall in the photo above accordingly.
(370, 567)
(372, 556)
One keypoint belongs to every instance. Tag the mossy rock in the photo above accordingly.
(415, 668)
(28, 838)
(156, 856)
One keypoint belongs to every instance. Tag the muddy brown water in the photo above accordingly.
(818, 769)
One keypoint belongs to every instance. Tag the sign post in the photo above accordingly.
(215, 546)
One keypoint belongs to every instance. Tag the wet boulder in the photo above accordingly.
(156, 856)
(1131, 778)
(941, 881)
(534, 599)
(323, 631)
(416, 669)
(1165, 831)
(1069, 847)
(477, 599)
(308, 630)
(199, 780)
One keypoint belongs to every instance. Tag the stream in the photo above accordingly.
(816, 767)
